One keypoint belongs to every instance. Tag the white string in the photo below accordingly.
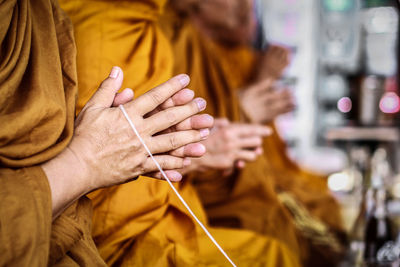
(173, 188)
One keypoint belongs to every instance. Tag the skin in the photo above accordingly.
(272, 63)
(261, 102)
(104, 151)
(231, 144)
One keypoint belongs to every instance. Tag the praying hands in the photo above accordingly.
(231, 145)
(105, 151)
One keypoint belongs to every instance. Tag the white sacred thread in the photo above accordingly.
(172, 187)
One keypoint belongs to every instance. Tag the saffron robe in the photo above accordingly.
(143, 223)
(37, 109)
(253, 198)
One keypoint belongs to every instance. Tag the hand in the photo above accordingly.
(231, 145)
(104, 150)
(201, 122)
(273, 62)
(261, 103)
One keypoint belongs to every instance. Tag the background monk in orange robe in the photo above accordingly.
(143, 223)
(271, 195)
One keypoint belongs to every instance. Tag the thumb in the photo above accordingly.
(104, 96)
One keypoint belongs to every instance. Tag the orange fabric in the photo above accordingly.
(122, 33)
(143, 223)
(248, 199)
(37, 107)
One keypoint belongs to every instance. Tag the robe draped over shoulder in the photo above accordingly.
(37, 109)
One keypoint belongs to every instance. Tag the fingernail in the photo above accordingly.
(209, 118)
(175, 176)
(241, 164)
(201, 149)
(114, 72)
(204, 133)
(201, 103)
(186, 162)
(184, 79)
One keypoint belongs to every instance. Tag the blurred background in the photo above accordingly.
(344, 73)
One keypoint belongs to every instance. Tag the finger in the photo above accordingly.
(283, 107)
(167, 118)
(260, 88)
(171, 141)
(250, 142)
(123, 97)
(244, 130)
(267, 98)
(180, 98)
(158, 95)
(281, 53)
(196, 122)
(191, 150)
(275, 97)
(246, 155)
(221, 122)
(286, 93)
(104, 96)
(166, 162)
(173, 176)
(240, 164)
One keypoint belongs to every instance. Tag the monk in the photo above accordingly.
(143, 223)
(49, 160)
(270, 195)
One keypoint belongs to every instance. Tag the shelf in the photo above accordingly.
(377, 134)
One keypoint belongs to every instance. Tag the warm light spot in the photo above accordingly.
(344, 104)
(340, 181)
(390, 103)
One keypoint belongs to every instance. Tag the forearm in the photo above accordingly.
(67, 180)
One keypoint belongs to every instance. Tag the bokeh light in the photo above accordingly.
(389, 103)
(344, 104)
(340, 181)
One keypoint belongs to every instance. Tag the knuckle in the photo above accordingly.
(135, 146)
(169, 85)
(105, 85)
(140, 168)
(164, 162)
(171, 117)
(121, 156)
(156, 98)
(173, 141)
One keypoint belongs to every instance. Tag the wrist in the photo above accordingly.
(66, 179)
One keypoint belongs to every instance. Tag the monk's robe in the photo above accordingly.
(143, 223)
(272, 195)
(37, 110)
